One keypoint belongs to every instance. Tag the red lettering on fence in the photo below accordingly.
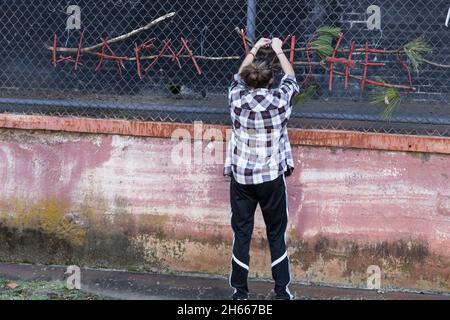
(329, 63)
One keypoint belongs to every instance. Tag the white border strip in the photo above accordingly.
(243, 265)
(279, 259)
(285, 238)
(448, 18)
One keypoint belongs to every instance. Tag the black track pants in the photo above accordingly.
(271, 197)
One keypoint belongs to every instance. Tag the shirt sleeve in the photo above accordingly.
(288, 87)
(237, 84)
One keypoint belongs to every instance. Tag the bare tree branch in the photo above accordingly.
(435, 64)
(116, 39)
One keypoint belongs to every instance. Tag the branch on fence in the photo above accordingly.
(359, 51)
(435, 64)
(306, 63)
(359, 78)
(116, 39)
(188, 56)
(109, 57)
(323, 65)
(247, 39)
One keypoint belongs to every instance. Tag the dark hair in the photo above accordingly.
(256, 76)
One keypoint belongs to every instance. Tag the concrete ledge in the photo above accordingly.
(324, 138)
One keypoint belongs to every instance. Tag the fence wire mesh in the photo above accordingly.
(93, 59)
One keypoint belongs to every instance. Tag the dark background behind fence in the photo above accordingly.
(30, 84)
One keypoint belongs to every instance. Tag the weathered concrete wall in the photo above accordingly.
(119, 201)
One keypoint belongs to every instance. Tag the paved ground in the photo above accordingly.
(146, 286)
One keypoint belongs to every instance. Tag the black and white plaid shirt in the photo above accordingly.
(259, 149)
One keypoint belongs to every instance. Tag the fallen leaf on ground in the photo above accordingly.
(11, 285)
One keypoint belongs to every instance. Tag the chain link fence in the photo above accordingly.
(106, 59)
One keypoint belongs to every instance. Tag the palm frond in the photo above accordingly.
(414, 49)
(304, 96)
(334, 32)
(388, 97)
(322, 44)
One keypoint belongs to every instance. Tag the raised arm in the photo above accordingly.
(285, 64)
(263, 42)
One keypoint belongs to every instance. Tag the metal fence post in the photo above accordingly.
(251, 19)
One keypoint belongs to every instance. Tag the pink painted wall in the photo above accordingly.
(362, 196)
(372, 196)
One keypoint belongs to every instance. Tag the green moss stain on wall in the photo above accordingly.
(52, 232)
(48, 217)
(404, 263)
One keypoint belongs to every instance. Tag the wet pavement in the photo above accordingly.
(150, 286)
